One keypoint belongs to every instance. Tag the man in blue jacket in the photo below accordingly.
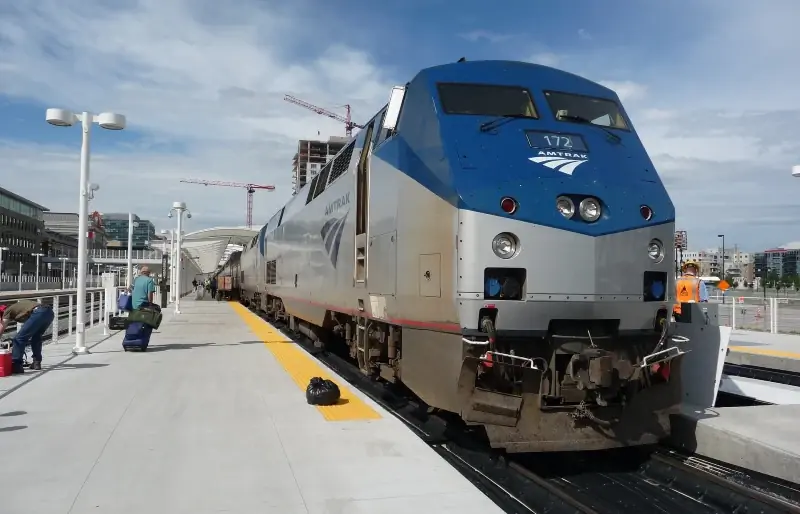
(144, 287)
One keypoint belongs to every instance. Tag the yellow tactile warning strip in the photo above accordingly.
(765, 351)
(302, 367)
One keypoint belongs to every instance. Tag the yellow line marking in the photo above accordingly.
(302, 367)
(765, 351)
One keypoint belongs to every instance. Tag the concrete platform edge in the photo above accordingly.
(690, 434)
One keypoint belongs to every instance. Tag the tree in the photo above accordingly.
(730, 280)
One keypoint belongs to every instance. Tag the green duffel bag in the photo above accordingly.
(147, 315)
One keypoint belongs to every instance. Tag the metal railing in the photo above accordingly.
(123, 254)
(771, 314)
(64, 306)
(12, 284)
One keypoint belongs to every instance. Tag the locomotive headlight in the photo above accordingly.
(655, 250)
(589, 209)
(565, 206)
(505, 245)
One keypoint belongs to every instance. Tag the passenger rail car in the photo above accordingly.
(497, 239)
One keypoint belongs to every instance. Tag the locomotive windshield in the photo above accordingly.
(488, 100)
(581, 109)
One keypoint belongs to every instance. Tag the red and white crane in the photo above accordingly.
(348, 123)
(251, 188)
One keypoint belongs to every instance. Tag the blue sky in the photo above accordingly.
(710, 85)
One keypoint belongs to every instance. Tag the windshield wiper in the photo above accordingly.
(581, 119)
(488, 125)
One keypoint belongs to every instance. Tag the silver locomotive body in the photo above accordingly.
(543, 347)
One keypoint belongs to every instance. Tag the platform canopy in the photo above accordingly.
(211, 247)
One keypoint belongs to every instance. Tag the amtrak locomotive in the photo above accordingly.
(497, 239)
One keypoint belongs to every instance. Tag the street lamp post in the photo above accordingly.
(180, 208)
(106, 120)
(37, 255)
(20, 275)
(723, 263)
(131, 225)
(63, 272)
(2, 248)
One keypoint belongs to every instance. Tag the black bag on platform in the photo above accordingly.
(117, 323)
(322, 392)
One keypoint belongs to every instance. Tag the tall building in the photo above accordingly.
(116, 227)
(21, 232)
(782, 261)
(311, 157)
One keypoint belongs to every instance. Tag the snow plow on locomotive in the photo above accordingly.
(497, 239)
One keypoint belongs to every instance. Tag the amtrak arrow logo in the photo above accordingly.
(565, 162)
(332, 235)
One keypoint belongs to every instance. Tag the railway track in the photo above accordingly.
(633, 480)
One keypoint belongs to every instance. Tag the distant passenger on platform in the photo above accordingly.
(35, 318)
(689, 288)
(213, 287)
(144, 287)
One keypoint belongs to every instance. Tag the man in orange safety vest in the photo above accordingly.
(689, 288)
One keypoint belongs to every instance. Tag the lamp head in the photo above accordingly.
(189, 215)
(796, 170)
(179, 205)
(60, 117)
(111, 121)
(94, 187)
(170, 214)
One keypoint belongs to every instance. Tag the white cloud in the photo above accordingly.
(626, 90)
(545, 59)
(196, 75)
(488, 35)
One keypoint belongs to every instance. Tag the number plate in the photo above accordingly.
(556, 141)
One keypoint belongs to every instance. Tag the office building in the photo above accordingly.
(311, 157)
(116, 230)
(738, 264)
(66, 224)
(21, 233)
(784, 262)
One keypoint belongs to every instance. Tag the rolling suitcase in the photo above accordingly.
(137, 336)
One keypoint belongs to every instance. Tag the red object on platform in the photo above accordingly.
(5, 364)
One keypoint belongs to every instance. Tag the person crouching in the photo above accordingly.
(35, 318)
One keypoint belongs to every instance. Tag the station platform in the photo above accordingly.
(212, 418)
(761, 438)
(779, 352)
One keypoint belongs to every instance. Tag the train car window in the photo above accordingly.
(486, 99)
(311, 188)
(342, 161)
(280, 216)
(323, 179)
(572, 108)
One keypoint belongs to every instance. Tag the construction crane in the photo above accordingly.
(251, 188)
(348, 123)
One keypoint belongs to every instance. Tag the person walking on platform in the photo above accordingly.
(689, 288)
(144, 287)
(32, 320)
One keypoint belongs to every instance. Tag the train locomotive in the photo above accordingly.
(496, 239)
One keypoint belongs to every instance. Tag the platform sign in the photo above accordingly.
(723, 286)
